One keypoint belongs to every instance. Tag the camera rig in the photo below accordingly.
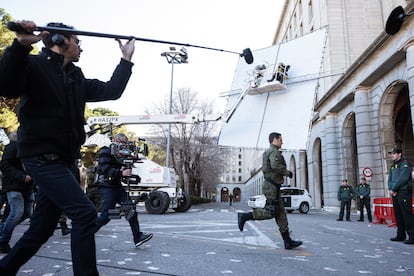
(127, 154)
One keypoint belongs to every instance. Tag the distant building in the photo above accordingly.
(237, 169)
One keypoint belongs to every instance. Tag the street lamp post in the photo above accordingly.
(173, 57)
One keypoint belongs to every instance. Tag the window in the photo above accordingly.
(285, 192)
(310, 10)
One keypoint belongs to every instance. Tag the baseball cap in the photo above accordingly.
(396, 149)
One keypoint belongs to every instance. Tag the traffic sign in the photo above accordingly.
(367, 172)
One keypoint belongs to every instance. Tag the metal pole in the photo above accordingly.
(169, 125)
(173, 57)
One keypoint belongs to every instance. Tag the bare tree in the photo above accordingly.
(193, 149)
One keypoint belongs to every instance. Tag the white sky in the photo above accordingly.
(224, 24)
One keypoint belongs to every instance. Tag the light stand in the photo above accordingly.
(173, 57)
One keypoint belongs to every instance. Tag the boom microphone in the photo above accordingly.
(13, 26)
(395, 20)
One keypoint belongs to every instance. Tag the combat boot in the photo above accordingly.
(398, 238)
(65, 228)
(242, 218)
(410, 240)
(289, 243)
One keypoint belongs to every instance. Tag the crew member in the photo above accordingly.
(274, 170)
(18, 186)
(53, 93)
(110, 173)
(399, 185)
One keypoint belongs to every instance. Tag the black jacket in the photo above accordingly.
(108, 169)
(52, 100)
(13, 172)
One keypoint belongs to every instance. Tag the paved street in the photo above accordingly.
(206, 241)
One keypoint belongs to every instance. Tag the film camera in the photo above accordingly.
(127, 154)
(128, 150)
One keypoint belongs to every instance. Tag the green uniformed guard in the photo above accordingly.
(345, 195)
(399, 185)
(92, 190)
(274, 171)
(363, 191)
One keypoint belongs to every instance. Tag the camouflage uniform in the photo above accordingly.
(92, 190)
(274, 170)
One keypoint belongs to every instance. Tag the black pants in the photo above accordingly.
(403, 212)
(345, 204)
(59, 191)
(365, 202)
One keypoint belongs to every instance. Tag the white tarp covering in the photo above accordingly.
(97, 139)
(286, 111)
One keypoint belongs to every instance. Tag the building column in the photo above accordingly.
(333, 172)
(303, 179)
(363, 129)
(409, 59)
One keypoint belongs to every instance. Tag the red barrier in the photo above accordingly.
(380, 211)
(383, 211)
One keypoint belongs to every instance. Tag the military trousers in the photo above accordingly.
(271, 192)
(365, 203)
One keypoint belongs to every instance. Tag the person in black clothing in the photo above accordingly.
(53, 93)
(230, 199)
(18, 186)
(110, 173)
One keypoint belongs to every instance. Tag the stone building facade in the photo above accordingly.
(365, 103)
(368, 108)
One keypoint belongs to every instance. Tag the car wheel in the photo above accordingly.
(185, 204)
(304, 208)
(289, 211)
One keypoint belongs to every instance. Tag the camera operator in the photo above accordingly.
(110, 173)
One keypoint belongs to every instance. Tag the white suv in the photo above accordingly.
(296, 199)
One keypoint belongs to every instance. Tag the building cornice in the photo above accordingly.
(360, 61)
